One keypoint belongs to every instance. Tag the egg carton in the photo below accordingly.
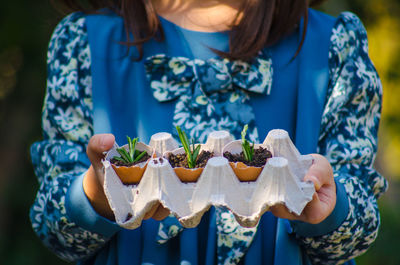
(280, 182)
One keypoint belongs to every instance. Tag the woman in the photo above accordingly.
(316, 80)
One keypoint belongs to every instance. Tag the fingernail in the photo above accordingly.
(105, 140)
(316, 183)
(102, 141)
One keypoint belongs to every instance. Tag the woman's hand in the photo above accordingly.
(324, 199)
(94, 179)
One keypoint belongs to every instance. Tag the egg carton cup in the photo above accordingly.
(280, 182)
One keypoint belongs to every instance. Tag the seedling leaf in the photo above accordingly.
(190, 150)
(140, 156)
(248, 150)
(132, 155)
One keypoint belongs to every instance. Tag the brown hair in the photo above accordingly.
(264, 22)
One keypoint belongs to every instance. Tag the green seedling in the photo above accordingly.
(132, 155)
(191, 151)
(248, 148)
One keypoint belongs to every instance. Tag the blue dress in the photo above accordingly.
(333, 100)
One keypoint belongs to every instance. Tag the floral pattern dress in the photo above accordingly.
(348, 139)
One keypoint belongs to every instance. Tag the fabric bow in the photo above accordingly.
(212, 95)
(172, 76)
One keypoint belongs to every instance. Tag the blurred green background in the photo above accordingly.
(25, 28)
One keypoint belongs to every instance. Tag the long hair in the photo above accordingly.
(264, 22)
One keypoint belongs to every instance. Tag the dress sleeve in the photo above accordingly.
(348, 139)
(60, 159)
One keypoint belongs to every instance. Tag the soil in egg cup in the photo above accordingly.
(188, 163)
(249, 163)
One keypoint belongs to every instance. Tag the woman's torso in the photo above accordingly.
(124, 105)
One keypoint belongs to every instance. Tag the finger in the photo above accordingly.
(315, 211)
(320, 206)
(315, 180)
(320, 172)
(150, 213)
(281, 211)
(312, 212)
(161, 213)
(99, 144)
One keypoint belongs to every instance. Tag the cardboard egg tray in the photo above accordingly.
(280, 182)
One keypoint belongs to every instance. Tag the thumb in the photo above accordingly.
(320, 172)
(99, 144)
(315, 180)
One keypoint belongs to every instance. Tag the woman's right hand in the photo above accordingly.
(94, 179)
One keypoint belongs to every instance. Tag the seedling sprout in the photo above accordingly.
(132, 155)
(191, 151)
(248, 150)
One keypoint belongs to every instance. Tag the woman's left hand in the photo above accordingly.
(324, 199)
